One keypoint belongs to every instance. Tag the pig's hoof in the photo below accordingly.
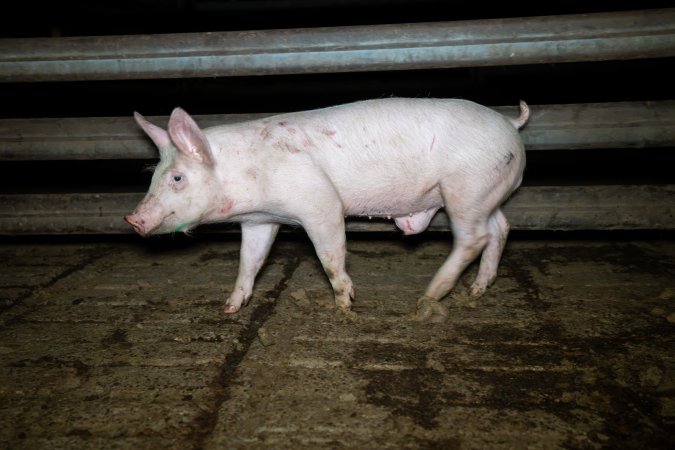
(347, 313)
(431, 310)
(476, 290)
(230, 309)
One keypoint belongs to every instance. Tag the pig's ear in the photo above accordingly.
(188, 138)
(158, 135)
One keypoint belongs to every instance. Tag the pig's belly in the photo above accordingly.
(393, 202)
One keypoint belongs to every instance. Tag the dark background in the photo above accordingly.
(638, 80)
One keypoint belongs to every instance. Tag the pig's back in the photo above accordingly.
(405, 133)
(386, 156)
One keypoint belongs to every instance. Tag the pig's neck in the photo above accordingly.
(240, 188)
(230, 197)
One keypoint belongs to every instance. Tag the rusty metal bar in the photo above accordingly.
(531, 208)
(595, 125)
(530, 40)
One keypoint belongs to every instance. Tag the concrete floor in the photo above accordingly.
(121, 344)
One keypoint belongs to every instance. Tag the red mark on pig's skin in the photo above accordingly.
(307, 141)
(433, 141)
(264, 133)
(227, 206)
(282, 123)
(407, 227)
(292, 131)
(284, 145)
(330, 134)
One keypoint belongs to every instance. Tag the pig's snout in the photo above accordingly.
(137, 223)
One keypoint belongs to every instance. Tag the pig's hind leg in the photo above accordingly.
(498, 228)
(470, 237)
(471, 234)
(256, 241)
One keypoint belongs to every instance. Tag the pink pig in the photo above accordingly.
(394, 157)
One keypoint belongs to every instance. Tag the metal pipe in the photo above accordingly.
(490, 42)
(531, 208)
(581, 126)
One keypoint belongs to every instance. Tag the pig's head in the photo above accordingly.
(178, 196)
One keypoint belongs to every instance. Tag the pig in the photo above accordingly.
(393, 157)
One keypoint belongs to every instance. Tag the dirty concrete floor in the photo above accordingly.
(121, 344)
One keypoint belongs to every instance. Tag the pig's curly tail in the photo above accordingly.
(524, 115)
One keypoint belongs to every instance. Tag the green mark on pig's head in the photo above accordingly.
(181, 227)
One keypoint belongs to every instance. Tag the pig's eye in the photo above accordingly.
(176, 180)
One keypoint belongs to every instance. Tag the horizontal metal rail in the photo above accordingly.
(531, 208)
(492, 42)
(599, 125)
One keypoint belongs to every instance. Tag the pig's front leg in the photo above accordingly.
(256, 241)
(328, 236)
